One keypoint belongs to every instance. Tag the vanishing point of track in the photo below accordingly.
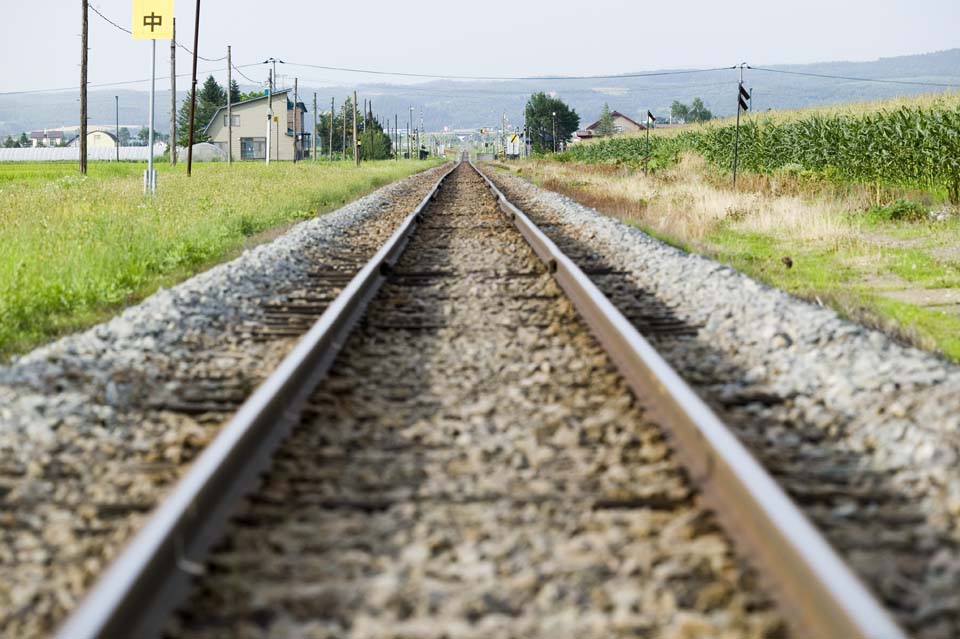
(526, 439)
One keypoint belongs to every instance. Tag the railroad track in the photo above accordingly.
(474, 465)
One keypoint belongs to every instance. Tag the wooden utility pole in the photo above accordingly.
(343, 149)
(332, 117)
(396, 136)
(296, 121)
(173, 95)
(229, 107)
(193, 90)
(356, 142)
(314, 136)
(83, 90)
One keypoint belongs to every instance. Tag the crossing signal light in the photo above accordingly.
(744, 98)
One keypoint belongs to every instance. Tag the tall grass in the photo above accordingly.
(72, 247)
(908, 143)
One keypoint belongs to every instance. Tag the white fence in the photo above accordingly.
(72, 154)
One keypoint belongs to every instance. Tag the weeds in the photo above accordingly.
(72, 248)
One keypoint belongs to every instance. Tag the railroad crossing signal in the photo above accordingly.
(152, 19)
(743, 98)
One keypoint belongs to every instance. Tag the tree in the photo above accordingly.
(144, 136)
(540, 112)
(10, 143)
(606, 122)
(699, 112)
(339, 123)
(374, 143)
(235, 94)
(679, 112)
(210, 98)
(124, 136)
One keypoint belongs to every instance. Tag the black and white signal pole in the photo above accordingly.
(742, 97)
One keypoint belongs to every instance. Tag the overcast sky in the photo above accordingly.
(40, 42)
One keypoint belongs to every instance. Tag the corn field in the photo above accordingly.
(917, 146)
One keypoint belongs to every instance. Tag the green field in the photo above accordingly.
(74, 249)
(913, 143)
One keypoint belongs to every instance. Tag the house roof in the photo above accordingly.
(112, 136)
(616, 114)
(39, 135)
(243, 103)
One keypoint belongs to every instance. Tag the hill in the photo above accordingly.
(470, 104)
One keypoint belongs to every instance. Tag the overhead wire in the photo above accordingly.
(855, 79)
(441, 76)
(125, 30)
(123, 82)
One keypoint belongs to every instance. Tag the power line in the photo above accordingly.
(125, 30)
(122, 83)
(496, 77)
(843, 77)
(248, 78)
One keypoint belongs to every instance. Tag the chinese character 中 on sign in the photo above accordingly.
(153, 19)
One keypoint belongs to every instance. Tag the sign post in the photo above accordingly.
(152, 20)
(650, 122)
(742, 106)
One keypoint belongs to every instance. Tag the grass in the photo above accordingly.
(74, 249)
(864, 260)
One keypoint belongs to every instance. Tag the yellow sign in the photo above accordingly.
(152, 19)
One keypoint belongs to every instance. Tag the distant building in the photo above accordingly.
(46, 138)
(97, 139)
(621, 124)
(250, 129)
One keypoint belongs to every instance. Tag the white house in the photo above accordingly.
(250, 128)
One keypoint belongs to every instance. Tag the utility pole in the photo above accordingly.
(83, 90)
(554, 131)
(173, 96)
(296, 120)
(741, 106)
(343, 148)
(419, 133)
(116, 99)
(503, 133)
(269, 113)
(396, 135)
(356, 142)
(314, 136)
(193, 91)
(332, 114)
(229, 107)
(409, 133)
(275, 143)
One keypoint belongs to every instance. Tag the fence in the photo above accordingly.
(72, 154)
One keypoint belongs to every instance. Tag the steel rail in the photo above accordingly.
(148, 579)
(813, 586)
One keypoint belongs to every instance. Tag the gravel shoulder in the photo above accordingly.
(96, 426)
(862, 431)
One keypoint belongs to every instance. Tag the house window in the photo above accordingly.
(236, 120)
(253, 148)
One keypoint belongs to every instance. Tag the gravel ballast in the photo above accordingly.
(96, 426)
(473, 466)
(863, 432)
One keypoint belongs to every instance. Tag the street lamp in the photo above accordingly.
(554, 131)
